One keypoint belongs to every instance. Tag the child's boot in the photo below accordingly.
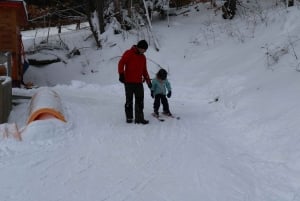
(167, 113)
(156, 113)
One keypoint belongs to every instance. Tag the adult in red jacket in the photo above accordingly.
(133, 71)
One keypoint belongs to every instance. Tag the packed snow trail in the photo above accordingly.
(243, 147)
(97, 156)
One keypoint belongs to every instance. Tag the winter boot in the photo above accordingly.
(167, 113)
(156, 114)
(129, 120)
(143, 121)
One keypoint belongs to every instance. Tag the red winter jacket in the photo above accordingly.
(134, 67)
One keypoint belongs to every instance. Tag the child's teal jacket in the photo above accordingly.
(160, 86)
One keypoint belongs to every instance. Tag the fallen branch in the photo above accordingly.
(36, 62)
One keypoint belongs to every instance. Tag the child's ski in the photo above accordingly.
(157, 117)
(171, 116)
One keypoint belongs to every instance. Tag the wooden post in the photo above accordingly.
(5, 98)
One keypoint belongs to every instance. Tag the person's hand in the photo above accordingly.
(152, 94)
(122, 77)
(149, 85)
(169, 94)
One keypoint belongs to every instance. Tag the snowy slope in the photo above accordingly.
(243, 147)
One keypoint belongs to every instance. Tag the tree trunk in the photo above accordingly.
(117, 11)
(129, 8)
(100, 11)
(91, 9)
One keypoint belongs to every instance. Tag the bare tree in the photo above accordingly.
(90, 13)
(100, 11)
(117, 11)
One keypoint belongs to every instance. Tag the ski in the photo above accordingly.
(172, 116)
(157, 117)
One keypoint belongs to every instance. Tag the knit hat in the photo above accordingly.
(142, 44)
(162, 74)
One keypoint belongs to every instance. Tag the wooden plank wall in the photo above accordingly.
(10, 40)
(8, 29)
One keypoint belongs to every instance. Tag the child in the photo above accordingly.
(159, 89)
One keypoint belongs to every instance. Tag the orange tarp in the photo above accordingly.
(45, 104)
(45, 113)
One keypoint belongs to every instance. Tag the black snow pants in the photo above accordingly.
(163, 99)
(136, 91)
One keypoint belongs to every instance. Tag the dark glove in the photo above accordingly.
(169, 94)
(149, 85)
(122, 77)
(152, 94)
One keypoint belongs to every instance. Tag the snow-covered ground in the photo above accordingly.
(238, 134)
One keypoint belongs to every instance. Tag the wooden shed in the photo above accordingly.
(13, 16)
